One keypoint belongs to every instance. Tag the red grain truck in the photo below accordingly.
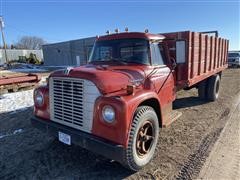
(117, 103)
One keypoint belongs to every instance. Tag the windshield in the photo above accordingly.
(121, 50)
(233, 55)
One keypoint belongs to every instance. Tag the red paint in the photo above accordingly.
(42, 111)
(112, 80)
(19, 79)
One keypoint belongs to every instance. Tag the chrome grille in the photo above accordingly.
(72, 102)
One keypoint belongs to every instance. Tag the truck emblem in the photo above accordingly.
(67, 70)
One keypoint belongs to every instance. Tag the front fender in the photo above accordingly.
(125, 107)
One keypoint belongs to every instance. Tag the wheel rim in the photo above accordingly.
(145, 139)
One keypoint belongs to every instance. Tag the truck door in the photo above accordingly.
(162, 76)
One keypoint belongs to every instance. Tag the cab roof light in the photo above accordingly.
(126, 29)
(146, 31)
(108, 32)
(117, 30)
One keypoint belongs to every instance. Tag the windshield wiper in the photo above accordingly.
(117, 60)
(132, 62)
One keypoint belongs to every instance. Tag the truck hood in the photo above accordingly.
(108, 79)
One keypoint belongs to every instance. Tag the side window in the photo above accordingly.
(156, 55)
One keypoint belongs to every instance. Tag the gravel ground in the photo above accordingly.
(182, 149)
(225, 151)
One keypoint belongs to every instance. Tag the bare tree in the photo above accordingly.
(30, 42)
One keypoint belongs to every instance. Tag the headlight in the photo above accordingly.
(108, 114)
(38, 98)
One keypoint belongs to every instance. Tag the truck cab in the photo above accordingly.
(234, 59)
(117, 103)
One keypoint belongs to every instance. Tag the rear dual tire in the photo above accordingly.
(209, 88)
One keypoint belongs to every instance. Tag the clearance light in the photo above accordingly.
(117, 30)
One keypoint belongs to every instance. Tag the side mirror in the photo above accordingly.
(180, 51)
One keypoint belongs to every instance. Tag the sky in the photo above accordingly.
(64, 20)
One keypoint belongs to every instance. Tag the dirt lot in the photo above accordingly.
(182, 149)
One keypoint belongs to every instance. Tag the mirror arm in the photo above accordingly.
(174, 64)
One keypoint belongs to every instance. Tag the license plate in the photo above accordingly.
(64, 138)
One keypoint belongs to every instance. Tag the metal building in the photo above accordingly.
(69, 53)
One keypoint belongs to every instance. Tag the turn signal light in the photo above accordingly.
(130, 89)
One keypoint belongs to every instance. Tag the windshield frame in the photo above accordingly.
(117, 59)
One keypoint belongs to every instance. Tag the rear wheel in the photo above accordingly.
(213, 88)
(143, 138)
(202, 90)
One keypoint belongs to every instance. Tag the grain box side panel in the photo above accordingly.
(224, 49)
(207, 53)
(211, 53)
(195, 61)
(201, 54)
(221, 51)
(196, 55)
(215, 52)
(191, 60)
(219, 57)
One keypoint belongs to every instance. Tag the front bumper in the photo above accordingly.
(85, 140)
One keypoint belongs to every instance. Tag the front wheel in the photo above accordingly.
(143, 138)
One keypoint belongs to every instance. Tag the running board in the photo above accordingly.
(174, 115)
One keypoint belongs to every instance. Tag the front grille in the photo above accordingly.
(72, 102)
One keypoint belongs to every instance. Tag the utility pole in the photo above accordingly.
(3, 39)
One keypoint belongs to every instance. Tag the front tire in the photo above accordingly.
(143, 138)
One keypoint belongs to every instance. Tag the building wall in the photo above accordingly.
(70, 53)
(13, 54)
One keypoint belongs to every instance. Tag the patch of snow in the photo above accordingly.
(43, 80)
(28, 70)
(13, 102)
(15, 132)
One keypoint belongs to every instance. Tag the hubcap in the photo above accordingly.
(145, 139)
